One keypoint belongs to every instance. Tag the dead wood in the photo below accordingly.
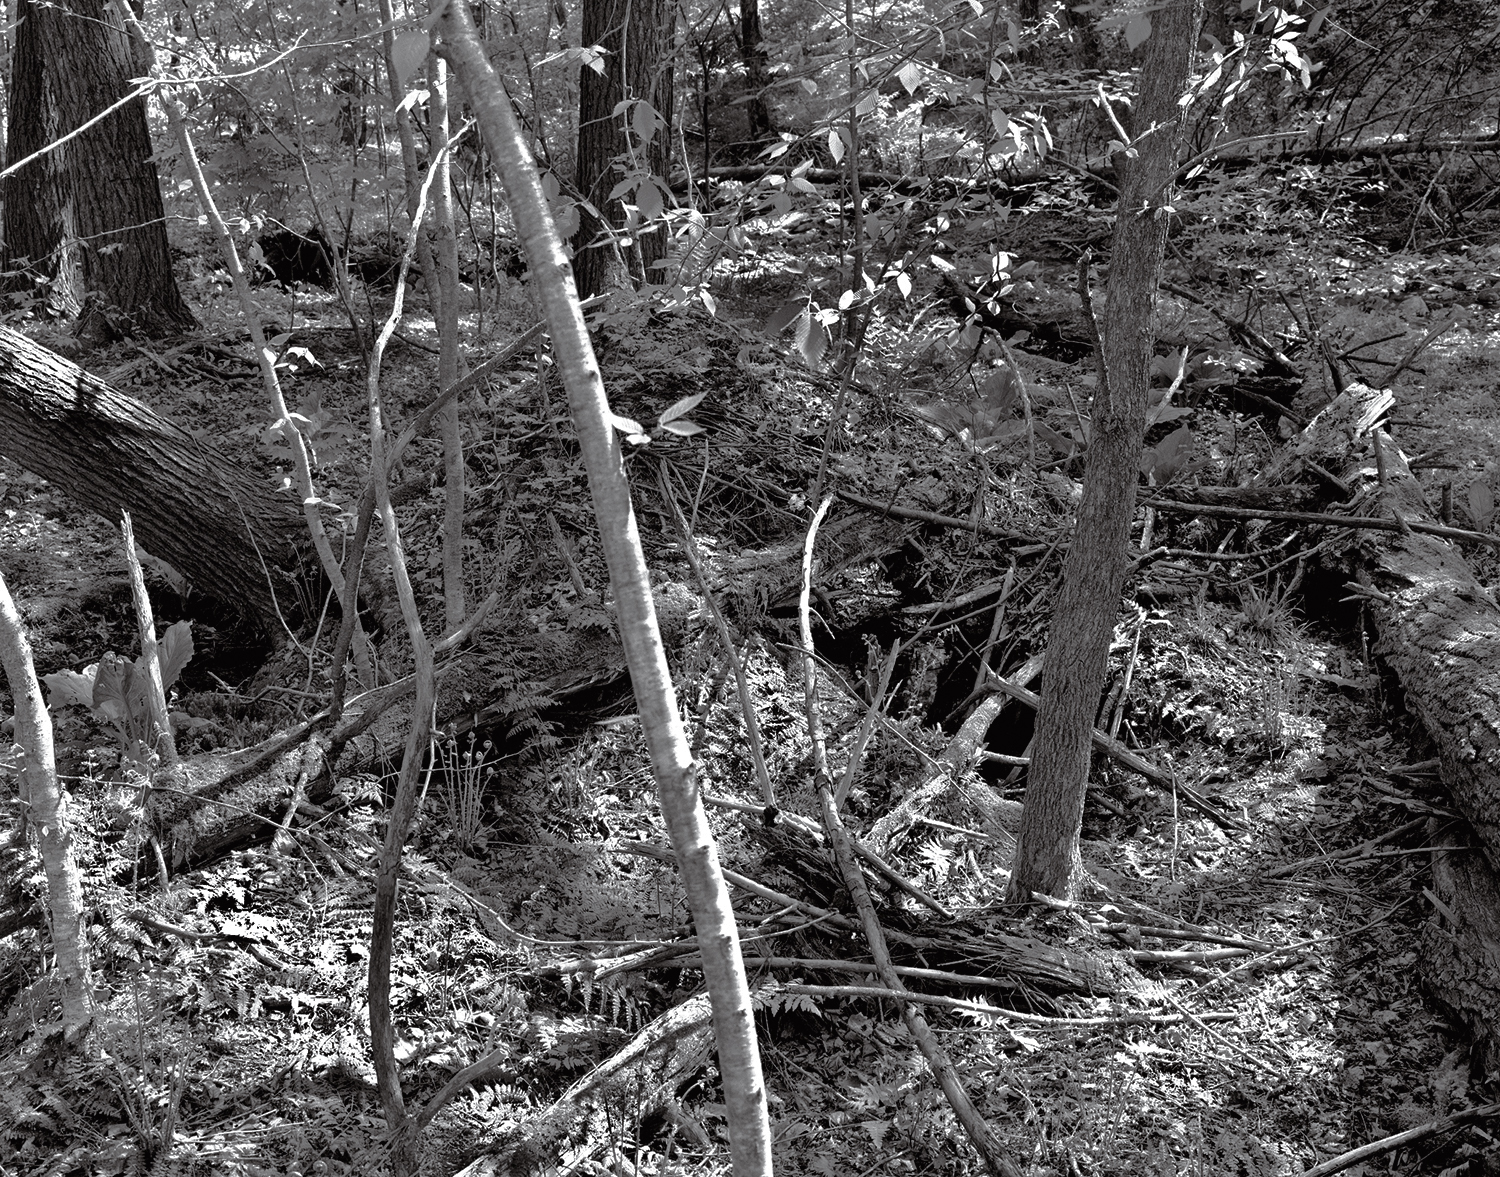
(1438, 629)
(644, 1076)
(1286, 497)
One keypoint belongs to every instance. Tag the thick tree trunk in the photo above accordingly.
(638, 36)
(87, 217)
(221, 527)
(1047, 858)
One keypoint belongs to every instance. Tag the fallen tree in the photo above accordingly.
(1439, 630)
(216, 523)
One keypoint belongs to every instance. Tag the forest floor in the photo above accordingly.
(1291, 1024)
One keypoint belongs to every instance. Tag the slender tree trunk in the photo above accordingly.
(638, 37)
(46, 809)
(446, 260)
(87, 217)
(221, 527)
(671, 758)
(1047, 858)
(757, 69)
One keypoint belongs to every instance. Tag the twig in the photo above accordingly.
(1359, 851)
(979, 1133)
(689, 547)
(1247, 333)
(1364, 1152)
(975, 525)
(1131, 760)
(1353, 522)
(1421, 345)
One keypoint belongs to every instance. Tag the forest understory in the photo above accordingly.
(1253, 986)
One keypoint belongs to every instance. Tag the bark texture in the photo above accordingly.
(1047, 858)
(87, 217)
(638, 37)
(1438, 629)
(220, 526)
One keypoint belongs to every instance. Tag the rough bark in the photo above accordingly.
(87, 217)
(1438, 629)
(221, 527)
(46, 809)
(1047, 852)
(638, 37)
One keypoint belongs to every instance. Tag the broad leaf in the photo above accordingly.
(1137, 30)
(681, 408)
(173, 652)
(408, 52)
(71, 688)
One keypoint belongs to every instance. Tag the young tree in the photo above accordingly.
(624, 136)
(757, 68)
(666, 741)
(1047, 858)
(46, 809)
(86, 217)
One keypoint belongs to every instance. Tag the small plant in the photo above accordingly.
(466, 775)
(1267, 614)
(114, 690)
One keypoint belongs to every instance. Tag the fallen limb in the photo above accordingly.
(1353, 522)
(974, 1125)
(978, 526)
(1476, 1115)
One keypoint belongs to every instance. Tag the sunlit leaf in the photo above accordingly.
(408, 52)
(680, 408)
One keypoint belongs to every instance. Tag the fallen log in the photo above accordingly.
(219, 525)
(1438, 629)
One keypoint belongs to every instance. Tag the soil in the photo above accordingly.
(242, 1047)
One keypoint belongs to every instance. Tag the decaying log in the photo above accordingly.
(1439, 631)
(1461, 947)
(642, 1077)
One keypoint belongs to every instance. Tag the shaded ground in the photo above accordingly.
(246, 1051)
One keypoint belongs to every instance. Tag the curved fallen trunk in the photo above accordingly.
(217, 524)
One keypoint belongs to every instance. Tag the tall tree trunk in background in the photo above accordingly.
(757, 72)
(87, 217)
(1047, 858)
(638, 37)
(217, 524)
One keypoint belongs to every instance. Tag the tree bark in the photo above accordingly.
(757, 69)
(661, 722)
(1047, 857)
(87, 217)
(46, 810)
(637, 35)
(221, 527)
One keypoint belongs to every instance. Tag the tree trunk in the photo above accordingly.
(661, 721)
(638, 37)
(221, 527)
(45, 807)
(1047, 858)
(87, 217)
(757, 71)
